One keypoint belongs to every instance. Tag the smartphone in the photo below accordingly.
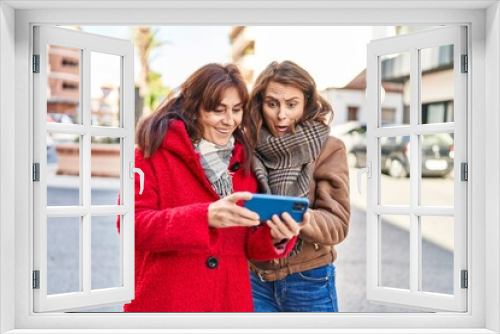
(268, 205)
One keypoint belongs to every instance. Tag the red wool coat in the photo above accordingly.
(182, 264)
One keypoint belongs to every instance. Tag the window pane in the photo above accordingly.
(437, 84)
(105, 74)
(63, 85)
(105, 253)
(63, 255)
(63, 169)
(395, 162)
(395, 77)
(437, 185)
(395, 252)
(105, 170)
(352, 261)
(437, 254)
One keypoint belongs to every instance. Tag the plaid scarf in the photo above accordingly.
(214, 160)
(284, 165)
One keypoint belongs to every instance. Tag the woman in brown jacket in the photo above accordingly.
(296, 156)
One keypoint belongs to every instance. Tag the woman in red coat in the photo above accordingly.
(192, 239)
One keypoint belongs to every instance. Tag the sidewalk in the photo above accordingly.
(440, 234)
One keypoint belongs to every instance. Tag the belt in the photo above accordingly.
(270, 275)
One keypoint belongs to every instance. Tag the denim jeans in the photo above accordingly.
(308, 291)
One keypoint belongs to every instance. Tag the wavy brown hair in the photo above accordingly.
(205, 89)
(289, 74)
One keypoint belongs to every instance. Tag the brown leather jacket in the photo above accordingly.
(329, 224)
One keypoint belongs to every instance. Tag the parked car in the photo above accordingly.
(349, 132)
(437, 155)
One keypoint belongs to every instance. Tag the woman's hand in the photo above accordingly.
(226, 213)
(286, 228)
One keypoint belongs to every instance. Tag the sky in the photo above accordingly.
(186, 49)
(333, 55)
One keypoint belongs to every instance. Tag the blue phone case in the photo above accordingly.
(268, 205)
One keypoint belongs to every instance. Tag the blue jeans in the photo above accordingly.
(308, 291)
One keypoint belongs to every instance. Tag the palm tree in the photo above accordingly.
(151, 89)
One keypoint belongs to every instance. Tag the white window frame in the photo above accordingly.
(483, 21)
(123, 51)
(415, 210)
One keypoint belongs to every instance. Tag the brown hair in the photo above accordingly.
(205, 89)
(290, 74)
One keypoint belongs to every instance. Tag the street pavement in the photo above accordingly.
(63, 246)
(434, 192)
(63, 251)
(351, 266)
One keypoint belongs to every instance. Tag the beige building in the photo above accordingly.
(63, 87)
(437, 79)
(349, 102)
(243, 50)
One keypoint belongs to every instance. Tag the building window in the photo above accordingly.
(70, 86)
(69, 62)
(388, 115)
(437, 112)
(352, 113)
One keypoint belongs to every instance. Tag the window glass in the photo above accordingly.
(63, 85)
(63, 255)
(437, 253)
(105, 170)
(395, 78)
(437, 179)
(63, 169)
(395, 168)
(105, 252)
(437, 84)
(395, 251)
(105, 89)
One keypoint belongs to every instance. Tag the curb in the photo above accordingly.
(73, 182)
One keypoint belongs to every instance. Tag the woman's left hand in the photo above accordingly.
(286, 227)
